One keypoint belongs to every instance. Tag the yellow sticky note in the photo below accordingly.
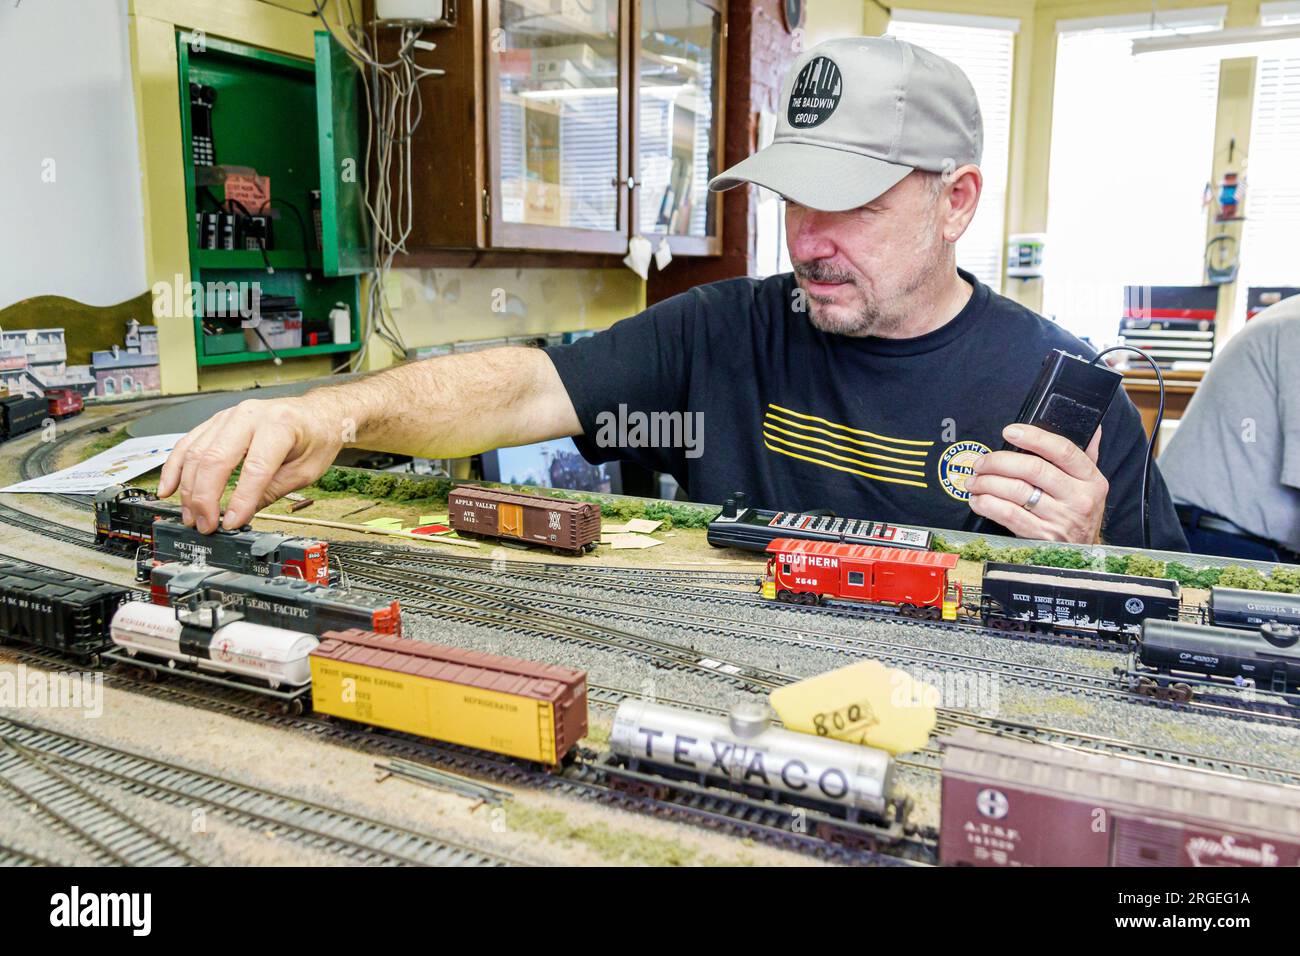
(865, 703)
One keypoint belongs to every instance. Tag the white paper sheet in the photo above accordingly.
(118, 465)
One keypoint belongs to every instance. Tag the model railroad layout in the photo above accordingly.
(263, 614)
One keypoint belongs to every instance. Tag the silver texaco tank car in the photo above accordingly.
(746, 751)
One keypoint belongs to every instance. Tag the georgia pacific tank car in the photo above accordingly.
(566, 527)
(278, 602)
(532, 711)
(752, 756)
(1173, 655)
(1235, 607)
(52, 609)
(1029, 597)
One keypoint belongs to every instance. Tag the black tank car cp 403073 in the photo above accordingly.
(55, 610)
(1173, 657)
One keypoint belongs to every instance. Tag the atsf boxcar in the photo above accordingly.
(1011, 802)
(567, 527)
(19, 415)
(807, 572)
(1235, 607)
(533, 711)
(1030, 597)
(280, 601)
(57, 610)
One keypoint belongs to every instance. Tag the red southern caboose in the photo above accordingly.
(64, 402)
(916, 582)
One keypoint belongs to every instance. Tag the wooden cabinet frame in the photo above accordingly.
(457, 169)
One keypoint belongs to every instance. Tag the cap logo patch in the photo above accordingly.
(815, 94)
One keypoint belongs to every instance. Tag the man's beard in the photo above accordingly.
(881, 315)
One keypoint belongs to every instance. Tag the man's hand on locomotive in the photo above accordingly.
(283, 444)
(1056, 493)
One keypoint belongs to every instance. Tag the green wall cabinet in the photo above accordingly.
(298, 123)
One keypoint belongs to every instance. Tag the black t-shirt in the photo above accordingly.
(728, 388)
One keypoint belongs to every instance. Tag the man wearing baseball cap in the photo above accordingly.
(874, 380)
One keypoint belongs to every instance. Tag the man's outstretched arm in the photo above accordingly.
(444, 407)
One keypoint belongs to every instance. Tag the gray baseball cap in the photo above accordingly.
(858, 114)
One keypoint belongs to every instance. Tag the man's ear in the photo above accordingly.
(960, 198)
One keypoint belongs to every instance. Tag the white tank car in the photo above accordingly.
(271, 654)
(746, 750)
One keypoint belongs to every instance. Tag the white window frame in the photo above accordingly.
(997, 208)
(1209, 17)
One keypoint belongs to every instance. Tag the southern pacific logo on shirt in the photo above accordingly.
(900, 461)
(957, 464)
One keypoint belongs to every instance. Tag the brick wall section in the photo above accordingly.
(759, 51)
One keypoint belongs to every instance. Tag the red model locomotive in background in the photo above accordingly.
(915, 582)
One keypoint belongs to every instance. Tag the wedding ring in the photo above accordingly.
(1034, 498)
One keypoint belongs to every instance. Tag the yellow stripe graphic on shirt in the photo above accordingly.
(769, 438)
(916, 470)
(800, 433)
(855, 431)
(802, 430)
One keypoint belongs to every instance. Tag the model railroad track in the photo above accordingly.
(547, 570)
(585, 781)
(850, 645)
(13, 857)
(506, 614)
(507, 617)
(38, 460)
(108, 835)
(50, 529)
(418, 592)
(735, 597)
(738, 817)
(421, 594)
(357, 838)
(1124, 748)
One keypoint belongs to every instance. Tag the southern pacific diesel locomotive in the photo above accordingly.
(277, 601)
(136, 522)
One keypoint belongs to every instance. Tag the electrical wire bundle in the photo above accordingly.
(394, 108)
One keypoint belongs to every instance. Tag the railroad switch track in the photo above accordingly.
(356, 838)
(109, 835)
